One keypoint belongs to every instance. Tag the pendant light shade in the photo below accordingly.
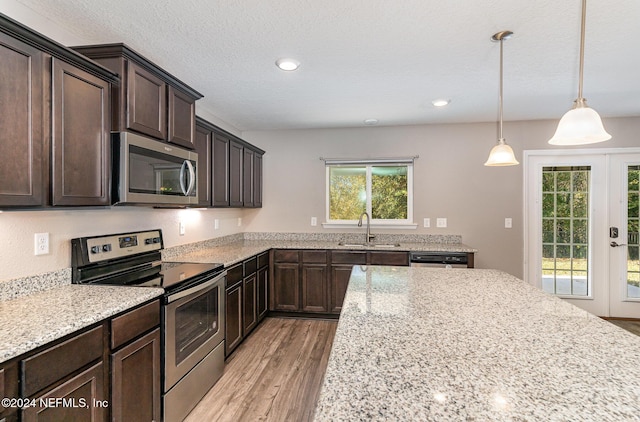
(581, 125)
(501, 154)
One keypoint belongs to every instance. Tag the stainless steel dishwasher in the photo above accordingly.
(439, 259)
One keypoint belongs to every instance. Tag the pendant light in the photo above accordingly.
(581, 125)
(501, 154)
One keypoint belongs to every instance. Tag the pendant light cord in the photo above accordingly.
(582, 31)
(500, 138)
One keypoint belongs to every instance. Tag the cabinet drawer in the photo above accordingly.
(57, 362)
(263, 260)
(314, 257)
(285, 255)
(250, 266)
(134, 323)
(389, 258)
(349, 257)
(234, 274)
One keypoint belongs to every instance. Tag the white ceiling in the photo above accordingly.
(382, 59)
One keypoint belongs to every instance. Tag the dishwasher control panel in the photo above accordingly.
(439, 259)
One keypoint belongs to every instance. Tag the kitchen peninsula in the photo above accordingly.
(469, 344)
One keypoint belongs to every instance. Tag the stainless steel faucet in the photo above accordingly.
(369, 235)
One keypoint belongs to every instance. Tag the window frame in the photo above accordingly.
(407, 223)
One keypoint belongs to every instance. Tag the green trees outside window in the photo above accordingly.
(382, 190)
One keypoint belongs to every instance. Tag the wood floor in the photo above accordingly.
(629, 325)
(275, 375)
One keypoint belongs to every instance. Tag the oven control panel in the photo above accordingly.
(103, 248)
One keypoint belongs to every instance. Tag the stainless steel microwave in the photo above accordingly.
(150, 172)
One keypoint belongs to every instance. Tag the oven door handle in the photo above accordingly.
(196, 288)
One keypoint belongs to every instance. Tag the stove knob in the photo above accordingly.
(95, 249)
(156, 240)
(148, 241)
(106, 248)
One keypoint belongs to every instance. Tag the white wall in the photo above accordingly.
(450, 179)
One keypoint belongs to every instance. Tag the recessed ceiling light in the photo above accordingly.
(371, 122)
(440, 102)
(287, 64)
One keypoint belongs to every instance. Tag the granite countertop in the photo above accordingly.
(234, 252)
(466, 344)
(33, 320)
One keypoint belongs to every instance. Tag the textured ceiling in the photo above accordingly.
(379, 59)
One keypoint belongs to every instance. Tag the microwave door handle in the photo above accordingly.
(182, 170)
(192, 178)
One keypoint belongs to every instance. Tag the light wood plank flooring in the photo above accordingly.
(629, 325)
(275, 375)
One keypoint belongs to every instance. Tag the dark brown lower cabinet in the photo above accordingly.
(286, 287)
(314, 287)
(233, 317)
(339, 281)
(8, 389)
(81, 398)
(135, 380)
(263, 288)
(249, 290)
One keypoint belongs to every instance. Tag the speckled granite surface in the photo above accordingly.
(11, 289)
(34, 320)
(426, 344)
(236, 249)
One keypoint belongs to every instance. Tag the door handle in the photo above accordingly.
(615, 244)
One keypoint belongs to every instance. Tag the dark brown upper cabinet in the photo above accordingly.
(236, 171)
(220, 170)
(149, 100)
(203, 147)
(54, 147)
(81, 154)
(22, 140)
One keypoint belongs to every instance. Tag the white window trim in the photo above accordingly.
(407, 223)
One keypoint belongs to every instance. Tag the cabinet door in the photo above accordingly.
(146, 102)
(263, 292)
(257, 180)
(182, 118)
(340, 275)
(86, 390)
(220, 171)
(250, 315)
(203, 148)
(8, 389)
(314, 287)
(235, 174)
(247, 178)
(286, 292)
(22, 148)
(135, 380)
(81, 160)
(389, 258)
(233, 318)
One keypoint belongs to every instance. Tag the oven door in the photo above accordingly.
(194, 326)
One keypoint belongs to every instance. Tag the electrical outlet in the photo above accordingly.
(508, 223)
(427, 222)
(441, 222)
(216, 224)
(41, 241)
(239, 221)
(314, 221)
(183, 229)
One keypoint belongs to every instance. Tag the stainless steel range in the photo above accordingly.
(192, 312)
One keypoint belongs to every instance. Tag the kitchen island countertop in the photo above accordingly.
(33, 320)
(466, 344)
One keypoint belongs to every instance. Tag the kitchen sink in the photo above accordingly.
(374, 245)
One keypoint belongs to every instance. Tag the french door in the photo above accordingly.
(581, 238)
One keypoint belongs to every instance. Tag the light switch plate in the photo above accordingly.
(314, 221)
(183, 229)
(441, 222)
(216, 224)
(508, 223)
(426, 222)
